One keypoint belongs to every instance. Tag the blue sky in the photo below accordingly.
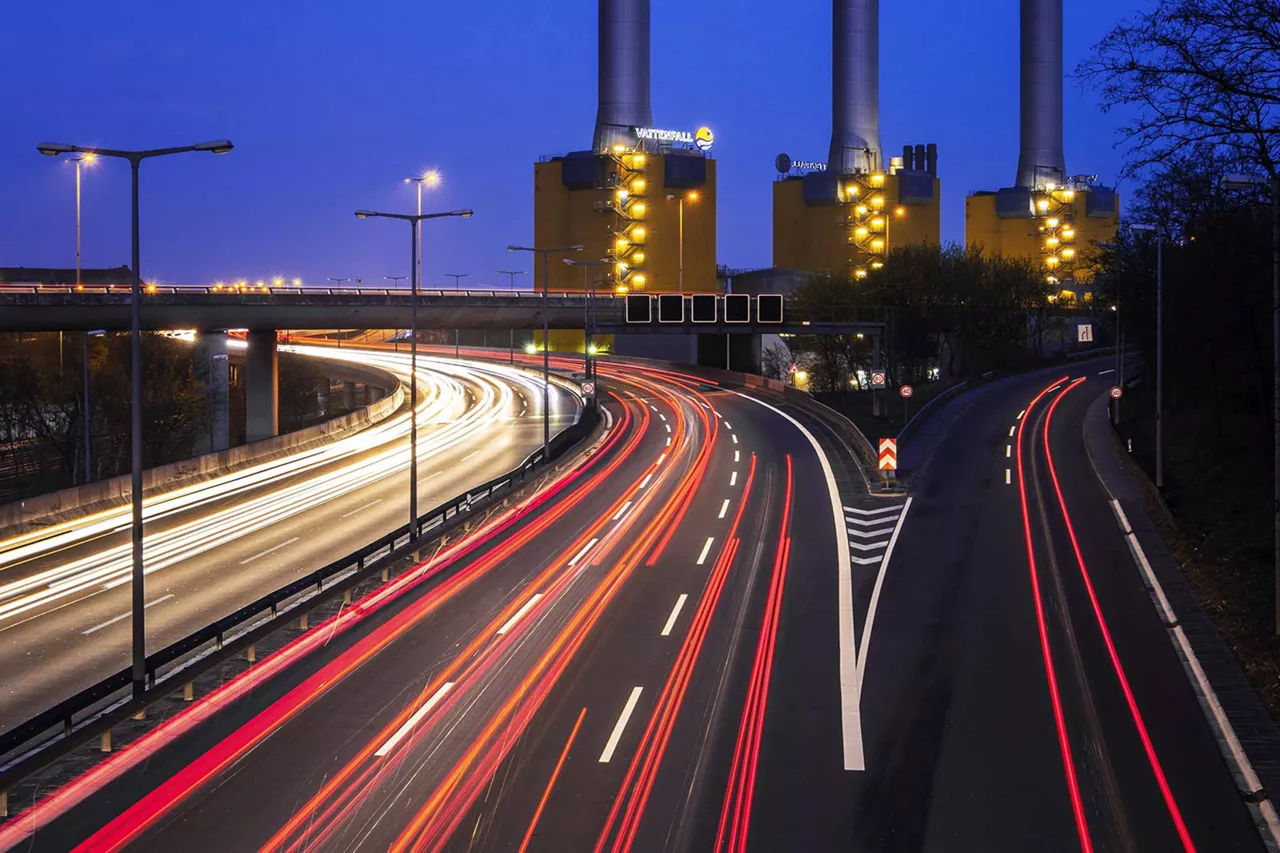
(331, 104)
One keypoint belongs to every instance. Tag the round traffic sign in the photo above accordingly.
(588, 389)
(877, 379)
(1116, 392)
(906, 391)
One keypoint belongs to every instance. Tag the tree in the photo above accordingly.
(776, 359)
(1195, 73)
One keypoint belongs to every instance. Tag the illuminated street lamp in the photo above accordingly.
(691, 195)
(588, 307)
(415, 222)
(430, 178)
(135, 158)
(546, 336)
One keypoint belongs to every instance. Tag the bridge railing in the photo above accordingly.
(51, 734)
(236, 290)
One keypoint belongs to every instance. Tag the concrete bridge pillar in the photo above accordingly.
(262, 390)
(349, 396)
(212, 364)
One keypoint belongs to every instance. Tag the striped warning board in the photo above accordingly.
(888, 454)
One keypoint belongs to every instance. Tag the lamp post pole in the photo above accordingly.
(546, 335)
(415, 222)
(588, 307)
(135, 158)
(512, 332)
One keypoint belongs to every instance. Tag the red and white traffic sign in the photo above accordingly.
(588, 388)
(877, 379)
(1116, 392)
(888, 454)
(906, 391)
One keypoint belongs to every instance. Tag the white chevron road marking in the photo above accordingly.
(867, 534)
(870, 546)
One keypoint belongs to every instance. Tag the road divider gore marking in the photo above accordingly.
(850, 713)
(363, 508)
(414, 720)
(551, 783)
(616, 734)
(867, 534)
(270, 550)
(724, 508)
(705, 548)
(675, 614)
(880, 511)
(114, 619)
(515, 617)
(875, 595)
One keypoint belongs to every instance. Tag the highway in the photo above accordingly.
(670, 647)
(219, 544)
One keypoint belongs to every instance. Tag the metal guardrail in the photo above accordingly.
(41, 740)
(928, 408)
(235, 290)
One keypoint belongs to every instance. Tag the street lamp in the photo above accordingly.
(1237, 182)
(431, 179)
(691, 195)
(415, 221)
(338, 280)
(396, 278)
(546, 336)
(457, 277)
(512, 332)
(588, 307)
(1159, 231)
(135, 158)
(86, 160)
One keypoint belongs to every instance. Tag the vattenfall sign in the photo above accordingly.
(702, 137)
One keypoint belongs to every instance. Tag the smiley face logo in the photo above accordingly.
(703, 138)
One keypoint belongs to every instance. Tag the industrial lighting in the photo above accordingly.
(877, 244)
(277, 281)
(637, 186)
(623, 242)
(618, 149)
(1052, 223)
(692, 195)
(217, 285)
(1052, 260)
(638, 208)
(861, 210)
(861, 232)
(852, 189)
(622, 267)
(637, 234)
(899, 211)
(297, 282)
(877, 201)
(1051, 187)
(1068, 253)
(1052, 241)
(638, 257)
(1068, 195)
(875, 265)
(622, 194)
(261, 282)
(860, 273)
(1043, 204)
(620, 288)
(877, 223)
(638, 279)
(877, 180)
(637, 160)
(1068, 233)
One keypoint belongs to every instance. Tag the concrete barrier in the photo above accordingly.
(42, 510)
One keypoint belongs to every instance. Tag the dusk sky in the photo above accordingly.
(331, 104)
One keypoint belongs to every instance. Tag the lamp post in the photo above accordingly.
(546, 336)
(81, 160)
(457, 277)
(691, 195)
(1236, 182)
(396, 278)
(1160, 233)
(338, 280)
(430, 179)
(135, 159)
(512, 332)
(415, 222)
(588, 307)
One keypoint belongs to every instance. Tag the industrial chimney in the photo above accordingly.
(1040, 160)
(624, 72)
(855, 87)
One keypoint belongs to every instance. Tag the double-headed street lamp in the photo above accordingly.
(512, 274)
(457, 278)
(429, 179)
(415, 221)
(135, 158)
(546, 336)
(588, 307)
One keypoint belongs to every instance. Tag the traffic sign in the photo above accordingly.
(877, 379)
(1084, 333)
(588, 389)
(906, 391)
(888, 454)
(1116, 392)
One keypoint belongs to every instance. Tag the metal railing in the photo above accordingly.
(928, 409)
(51, 734)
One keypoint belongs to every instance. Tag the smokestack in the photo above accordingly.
(624, 72)
(908, 157)
(855, 89)
(1040, 159)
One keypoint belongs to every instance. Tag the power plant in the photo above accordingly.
(842, 216)
(1046, 215)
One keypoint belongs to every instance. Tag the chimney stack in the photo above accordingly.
(855, 89)
(1040, 159)
(624, 72)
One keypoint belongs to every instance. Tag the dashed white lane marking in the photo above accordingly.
(363, 508)
(668, 441)
(113, 620)
(735, 438)
(733, 479)
(1008, 451)
(1008, 477)
(270, 550)
(737, 456)
(616, 734)
(652, 406)
(585, 549)
(646, 480)
(1105, 372)
(724, 508)
(668, 426)
(528, 605)
(414, 720)
(675, 614)
(727, 425)
(664, 417)
(705, 548)
(1012, 430)
(626, 506)
(661, 459)
(1020, 414)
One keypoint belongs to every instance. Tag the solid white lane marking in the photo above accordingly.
(1012, 430)
(735, 438)
(705, 549)
(626, 506)
(850, 712)
(875, 596)
(1020, 414)
(525, 608)
(737, 456)
(733, 479)
(1008, 451)
(724, 507)
(270, 550)
(414, 720)
(878, 511)
(113, 620)
(1105, 372)
(675, 614)
(1008, 477)
(363, 508)
(867, 534)
(646, 480)
(616, 734)
(585, 549)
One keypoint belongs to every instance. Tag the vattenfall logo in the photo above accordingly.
(703, 138)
